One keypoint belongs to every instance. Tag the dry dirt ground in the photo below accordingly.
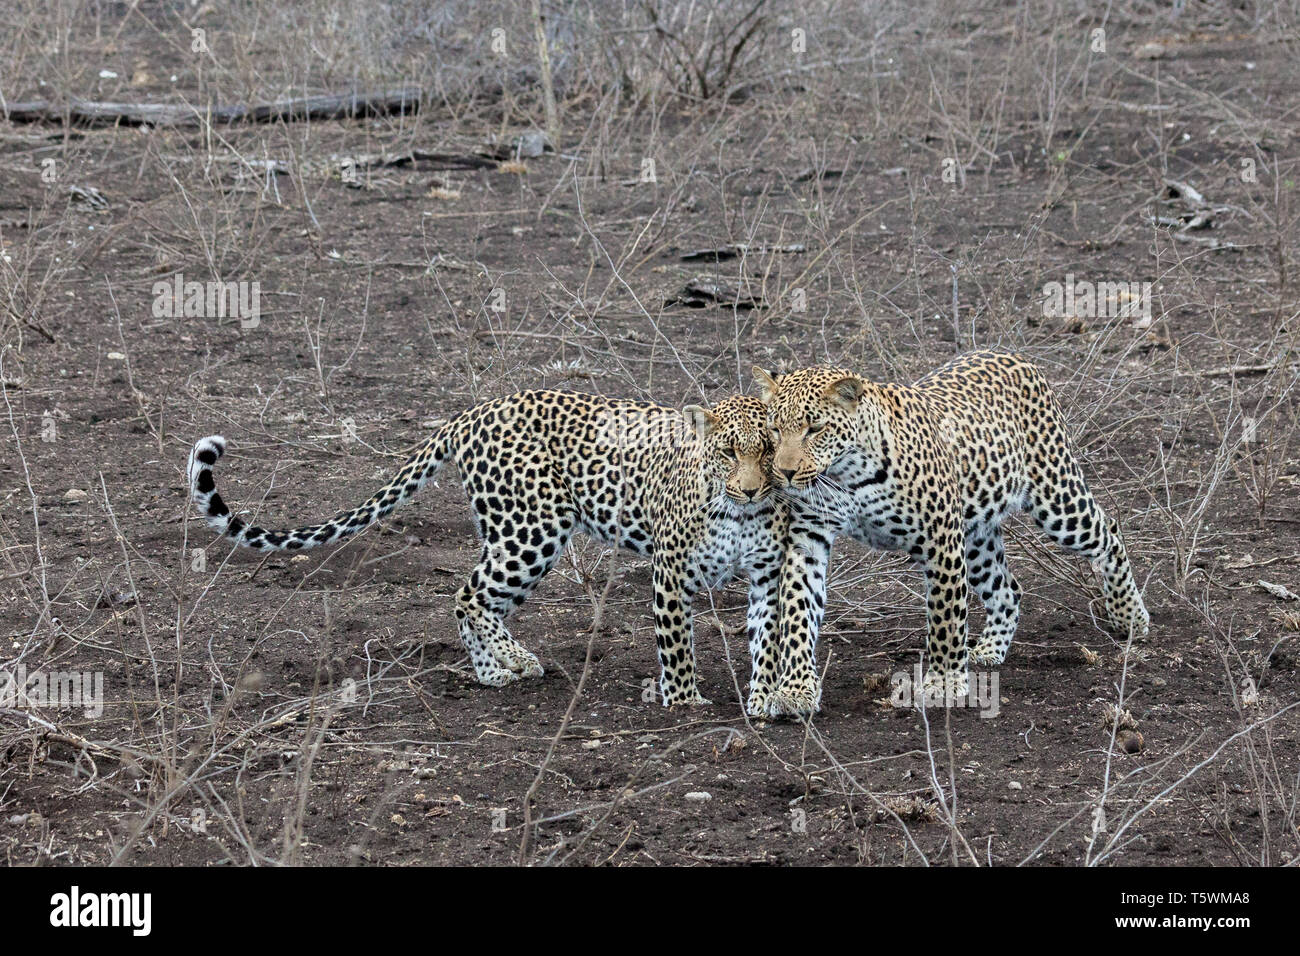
(319, 708)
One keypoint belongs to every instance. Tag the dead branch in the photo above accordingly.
(326, 107)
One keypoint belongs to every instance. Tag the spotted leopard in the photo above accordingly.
(932, 469)
(689, 488)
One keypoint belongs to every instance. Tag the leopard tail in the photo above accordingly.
(418, 470)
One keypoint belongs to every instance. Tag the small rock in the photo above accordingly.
(1130, 741)
(117, 599)
(531, 145)
(699, 796)
(74, 495)
(1015, 785)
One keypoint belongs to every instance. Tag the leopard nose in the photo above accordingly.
(751, 493)
(788, 473)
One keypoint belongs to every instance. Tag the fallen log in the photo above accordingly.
(327, 107)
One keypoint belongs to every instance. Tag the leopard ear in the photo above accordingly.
(768, 384)
(846, 391)
(701, 419)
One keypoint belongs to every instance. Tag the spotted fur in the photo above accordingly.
(932, 469)
(688, 488)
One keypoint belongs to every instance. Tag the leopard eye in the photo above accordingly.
(814, 428)
(729, 453)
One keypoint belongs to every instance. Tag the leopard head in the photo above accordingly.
(812, 417)
(737, 450)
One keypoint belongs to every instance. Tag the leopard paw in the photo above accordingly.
(795, 699)
(492, 674)
(685, 698)
(941, 688)
(987, 654)
(507, 661)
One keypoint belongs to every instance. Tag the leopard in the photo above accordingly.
(689, 488)
(931, 469)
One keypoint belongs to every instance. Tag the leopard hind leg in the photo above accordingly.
(1068, 514)
(520, 545)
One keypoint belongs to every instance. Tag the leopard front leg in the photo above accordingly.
(803, 602)
(946, 609)
(764, 626)
(675, 636)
